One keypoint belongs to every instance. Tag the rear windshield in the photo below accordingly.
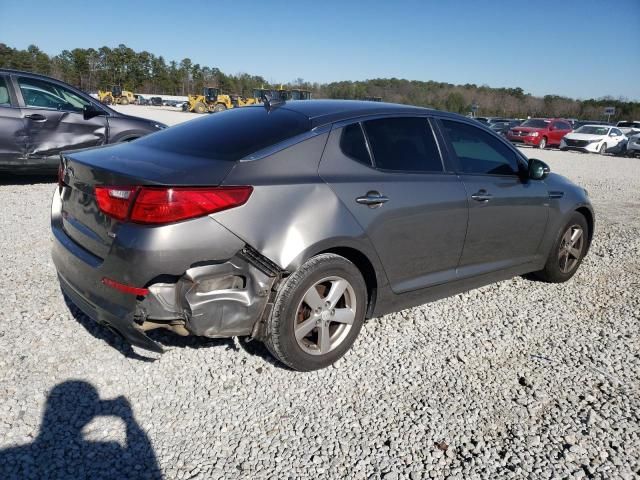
(230, 135)
(535, 123)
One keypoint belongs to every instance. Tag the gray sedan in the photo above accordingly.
(41, 117)
(292, 223)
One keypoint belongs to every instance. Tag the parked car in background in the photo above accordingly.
(596, 139)
(540, 132)
(141, 100)
(581, 123)
(293, 223)
(502, 127)
(490, 120)
(633, 145)
(156, 101)
(41, 116)
(629, 128)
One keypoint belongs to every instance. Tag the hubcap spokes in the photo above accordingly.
(325, 315)
(570, 248)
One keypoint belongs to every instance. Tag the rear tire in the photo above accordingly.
(219, 108)
(318, 313)
(124, 101)
(543, 143)
(567, 252)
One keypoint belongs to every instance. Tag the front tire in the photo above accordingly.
(318, 313)
(543, 143)
(603, 148)
(567, 252)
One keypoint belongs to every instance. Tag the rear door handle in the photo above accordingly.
(373, 199)
(481, 196)
(36, 117)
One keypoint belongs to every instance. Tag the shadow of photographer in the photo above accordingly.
(62, 451)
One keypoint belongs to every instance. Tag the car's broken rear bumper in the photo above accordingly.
(222, 295)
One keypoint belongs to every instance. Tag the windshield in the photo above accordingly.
(592, 130)
(535, 123)
(629, 124)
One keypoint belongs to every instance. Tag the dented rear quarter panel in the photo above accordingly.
(293, 214)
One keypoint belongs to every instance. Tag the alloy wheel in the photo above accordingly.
(325, 315)
(571, 246)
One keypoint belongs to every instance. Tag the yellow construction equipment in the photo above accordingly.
(212, 100)
(116, 96)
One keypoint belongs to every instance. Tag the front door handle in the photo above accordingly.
(373, 199)
(481, 196)
(36, 117)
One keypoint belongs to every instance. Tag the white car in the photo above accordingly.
(595, 139)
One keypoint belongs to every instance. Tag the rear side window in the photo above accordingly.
(230, 135)
(4, 93)
(480, 152)
(403, 144)
(353, 145)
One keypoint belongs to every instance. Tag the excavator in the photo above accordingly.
(213, 101)
(116, 96)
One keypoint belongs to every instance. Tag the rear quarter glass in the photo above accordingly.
(230, 135)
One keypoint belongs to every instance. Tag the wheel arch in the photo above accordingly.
(588, 215)
(362, 263)
(365, 261)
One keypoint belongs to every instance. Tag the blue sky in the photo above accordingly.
(578, 48)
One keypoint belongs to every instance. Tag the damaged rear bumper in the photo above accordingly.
(188, 294)
(214, 300)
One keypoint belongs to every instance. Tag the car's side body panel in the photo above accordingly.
(419, 233)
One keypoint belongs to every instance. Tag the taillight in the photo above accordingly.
(115, 201)
(159, 205)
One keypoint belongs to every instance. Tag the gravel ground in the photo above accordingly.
(517, 379)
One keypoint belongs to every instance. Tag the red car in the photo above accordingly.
(540, 132)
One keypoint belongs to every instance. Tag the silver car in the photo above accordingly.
(292, 223)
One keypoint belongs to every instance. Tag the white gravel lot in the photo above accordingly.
(517, 379)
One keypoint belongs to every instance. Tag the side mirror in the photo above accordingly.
(538, 170)
(91, 111)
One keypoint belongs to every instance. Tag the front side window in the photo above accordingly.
(403, 144)
(42, 94)
(480, 152)
(353, 145)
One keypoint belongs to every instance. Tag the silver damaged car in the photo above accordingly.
(291, 223)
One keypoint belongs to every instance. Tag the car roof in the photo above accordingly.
(322, 112)
(596, 125)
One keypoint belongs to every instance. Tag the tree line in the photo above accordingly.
(92, 69)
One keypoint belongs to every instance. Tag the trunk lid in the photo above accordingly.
(122, 165)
